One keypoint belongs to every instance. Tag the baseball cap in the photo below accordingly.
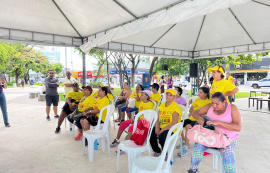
(147, 92)
(100, 85)
(155, 85)
(172, 91)
(88, 87)
(216, 68)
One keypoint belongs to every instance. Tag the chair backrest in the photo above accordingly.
(185, 94)
(115, 98)
(151, 117)
(110, 109)
(169, 146)
(155, 104)
(111, 102)
(163, 98)
(189, 103)
(183, 110)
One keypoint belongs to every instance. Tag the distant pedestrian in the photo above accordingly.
(161, 84)
(205, 84)
(22, 83)
(68, 82)
(3, 103)
(52, 96)
(169, 82)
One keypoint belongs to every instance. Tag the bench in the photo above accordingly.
(41, 97)
(32, 95)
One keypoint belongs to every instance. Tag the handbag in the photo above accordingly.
(140, 134)
(210, 138)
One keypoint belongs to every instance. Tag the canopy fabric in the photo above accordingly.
(172, 28)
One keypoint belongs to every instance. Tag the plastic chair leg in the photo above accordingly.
(103, 144)
(130, 160)
(70, 126)
(83, 145)
(215, 162)
(118, 156)
(90, 149)
(109, 148)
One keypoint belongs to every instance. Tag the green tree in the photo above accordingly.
(57, 67)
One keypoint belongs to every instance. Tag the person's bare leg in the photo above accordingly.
(48, 108)
(129, 115)
(188, 126)
(55, 110)
(86, 125)
(122, 115)
(61, 118)
(128, 136)
(119, 133)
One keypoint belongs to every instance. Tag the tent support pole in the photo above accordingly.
(162, 35)
(84, 67)
(198, 35)
(242, 26)
(261, 3)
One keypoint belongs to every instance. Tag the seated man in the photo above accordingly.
(144, 105)
(72, 101)
(136, 95)
(155, 96)
(169, 115)
(95, 95)
(86, 104)
(91, 117)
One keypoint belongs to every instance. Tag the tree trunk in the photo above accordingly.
(99, 68)
(17, 77)
(26, 77)
(152, 67)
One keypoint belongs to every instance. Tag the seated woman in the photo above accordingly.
(145, 104)
(136, 95)
(169, 115)
(109, 94)
(95, 94)
(189, 123)
(91, 117)
(86, 104)
(178, 99)
(121, 100)
(222, 115)
(72, 100)
(155, 96)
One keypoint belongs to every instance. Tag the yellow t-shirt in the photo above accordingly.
(223, 86)
(101, 103)
(95, 93)
(198, 104)
(110, 96)
(165, 113)
(68, 81)
(75, 95)
(134, 95)
(86, 103)
(230, 79)
(155, 97)
(144, 106)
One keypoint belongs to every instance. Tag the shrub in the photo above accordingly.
(95, 84)
(9, 83)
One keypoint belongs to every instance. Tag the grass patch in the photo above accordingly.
(244, 94)
(61, 96)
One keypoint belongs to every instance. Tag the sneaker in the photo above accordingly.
(184, 152)
(48, 118)
(56, 116)
(79, 136)
(190, 171)
(57, 130)
(121, 152)
(115, 143)
(179, 146)
(156, 154)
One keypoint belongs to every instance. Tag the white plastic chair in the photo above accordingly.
(163, 98)
(189, 103)
(149, 164)
(112, 103)
(155, 104)
(100, 131)
(130, 147)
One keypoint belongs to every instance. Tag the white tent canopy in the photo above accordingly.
(167, 28)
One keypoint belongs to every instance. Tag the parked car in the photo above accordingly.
(261, 83)
(180, 83)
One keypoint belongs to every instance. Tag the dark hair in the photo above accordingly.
(141, 87)
(179, 90)
(205, 91)
(109, 90)
(205, 81)
(222, 76)
(156, 86)
(51, 70)
(148, 97)
(126, 83)
(162, 77)
(105, 90)
(220, 96)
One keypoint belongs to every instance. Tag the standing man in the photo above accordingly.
(68, 82)
(230, 79)
(52, 96)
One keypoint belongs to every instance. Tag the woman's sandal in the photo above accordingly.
(8, 126)
(117, 120)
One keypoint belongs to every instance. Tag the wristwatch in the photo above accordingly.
(90, 111)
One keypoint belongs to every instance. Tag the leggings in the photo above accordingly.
(227, 155)
(125, 124)
(154, 140)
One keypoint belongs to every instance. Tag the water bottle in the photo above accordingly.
(96, 145)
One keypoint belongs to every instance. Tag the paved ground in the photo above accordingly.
(30, 144)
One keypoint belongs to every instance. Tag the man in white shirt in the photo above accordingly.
(68, 82)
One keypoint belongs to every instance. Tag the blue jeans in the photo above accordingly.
(3, 105)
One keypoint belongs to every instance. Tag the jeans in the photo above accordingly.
(3, 105)
(77, 122)
(227, 155)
